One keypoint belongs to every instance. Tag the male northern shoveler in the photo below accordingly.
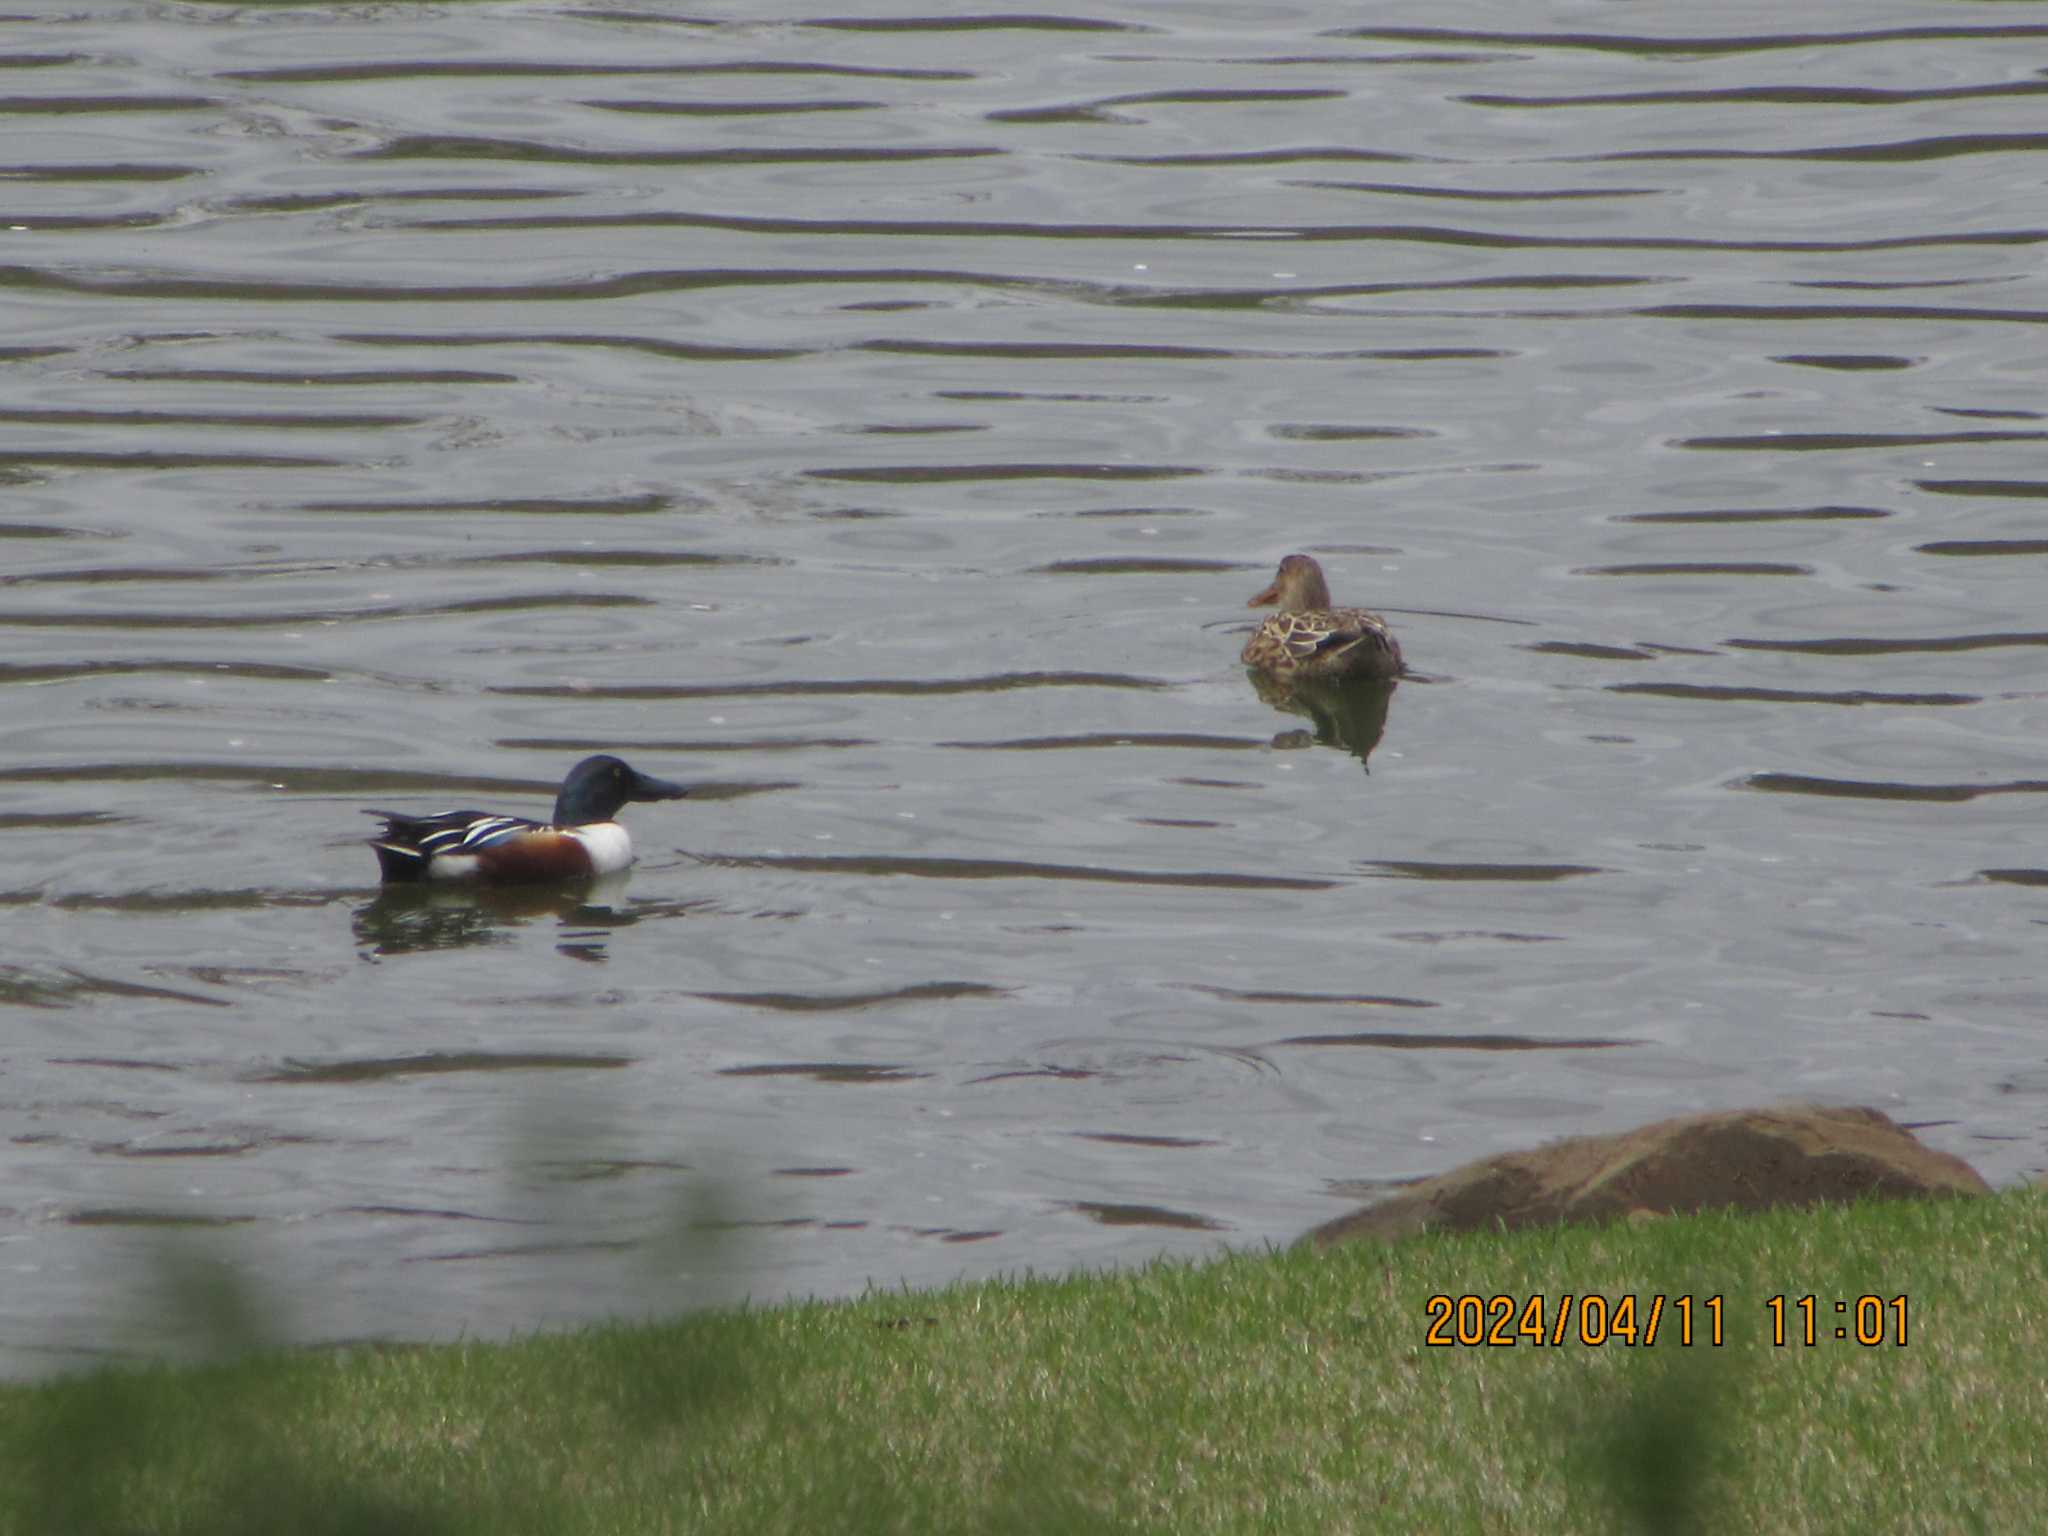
(581, 840)
(1309, 638)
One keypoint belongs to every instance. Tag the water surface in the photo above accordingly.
(878, 419)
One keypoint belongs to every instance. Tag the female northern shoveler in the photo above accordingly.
(1309, 638)
(581, 840)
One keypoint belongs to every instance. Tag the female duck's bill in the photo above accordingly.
(1308, 637)
(582, 839)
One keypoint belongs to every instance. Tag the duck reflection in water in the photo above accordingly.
(408, 918)
(1348, 713)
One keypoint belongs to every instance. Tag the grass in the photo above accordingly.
(1288, 1391)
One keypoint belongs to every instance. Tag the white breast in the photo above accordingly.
(610, 849)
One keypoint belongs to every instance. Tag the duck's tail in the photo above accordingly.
(398, 860)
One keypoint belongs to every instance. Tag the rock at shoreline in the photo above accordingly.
(1750, 1160)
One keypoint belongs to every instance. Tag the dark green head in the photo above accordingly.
(598, 786)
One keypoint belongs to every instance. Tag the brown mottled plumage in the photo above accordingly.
(1309, 638)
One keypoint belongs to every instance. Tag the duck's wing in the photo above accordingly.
(451, 831)
(1294, 638)
(1345, 629)
(1282, 642)
(1324, 639)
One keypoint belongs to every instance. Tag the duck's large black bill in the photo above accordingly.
(646, 787)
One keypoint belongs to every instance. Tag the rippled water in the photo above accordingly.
(878, 419)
